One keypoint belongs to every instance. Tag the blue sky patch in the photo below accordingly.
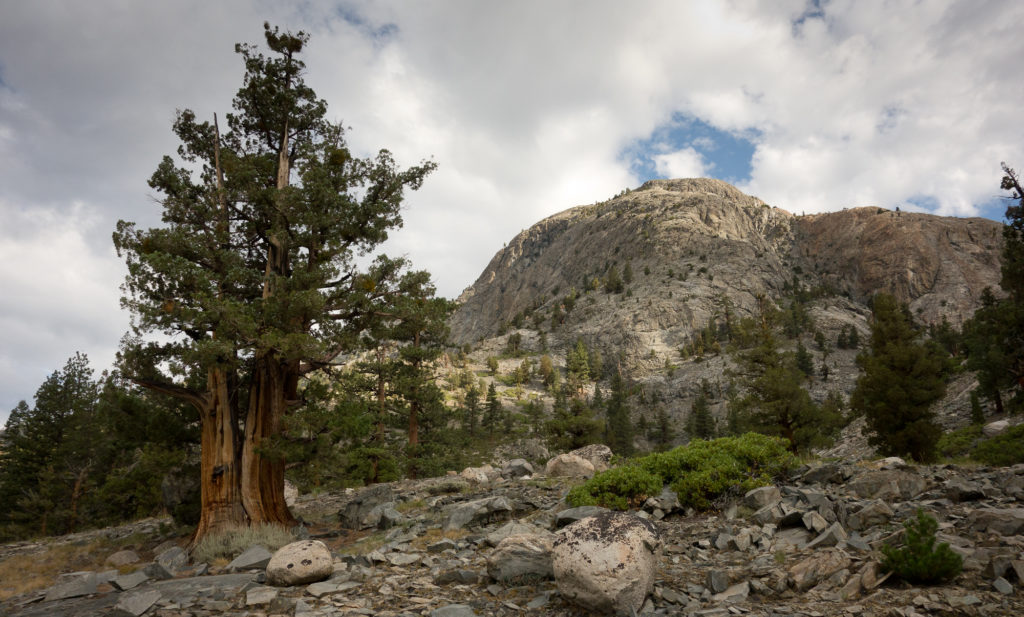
(378, 33)
(727, 155)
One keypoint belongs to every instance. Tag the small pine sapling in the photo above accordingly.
(920, 560)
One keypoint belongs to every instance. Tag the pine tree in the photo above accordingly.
(804, 360)
(901, 378)
(493, 409)
(577, 367)
(619, 431)
(256, 271)
(471, 410)
(700, 423)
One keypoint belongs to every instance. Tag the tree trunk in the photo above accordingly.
(221, 499)
(263, 477)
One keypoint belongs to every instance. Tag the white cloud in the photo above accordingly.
(59, 297)
(685, 163)
(527, 107)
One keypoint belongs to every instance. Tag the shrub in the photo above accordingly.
(619, 488)
(230, 543)
(1005, 449)
(960, 442)
(698, 472)
(920, 560)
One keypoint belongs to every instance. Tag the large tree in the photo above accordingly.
(253, 280)
(902, 376)
(994, 337)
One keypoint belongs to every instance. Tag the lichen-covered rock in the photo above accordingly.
(810, 571)
(300, 563)
(477, 511)
(363, 511)
(569, 466)
(606, 563)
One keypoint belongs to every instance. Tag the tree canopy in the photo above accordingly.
(260, 273)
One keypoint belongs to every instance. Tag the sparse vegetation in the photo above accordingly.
(920, 560)
(223, 546)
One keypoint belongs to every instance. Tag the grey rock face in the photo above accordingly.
(567, 517)
(136, 604)
(174, 559)
(517, 468)
(599, 455)
(606, 563)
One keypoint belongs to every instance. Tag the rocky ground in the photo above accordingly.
(806, 547)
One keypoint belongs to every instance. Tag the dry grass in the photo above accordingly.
(226, 545)
(27, 572)
(436, 534)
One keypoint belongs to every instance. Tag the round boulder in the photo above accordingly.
(569, 466)
(300, 563)
(606, 563)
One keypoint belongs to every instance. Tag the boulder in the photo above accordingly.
(477, 511)
(174, 559)
(362, 511)
(995, 428)
(512, 528)
(599, 455)
(761, 496)
(123, 558)
(875, 512)
(479, 475)
(606, 563)
(888, 484)
(521, 557)
(810, 571)
(517, 468)
(567, 517)
(300, 563)
(1003, 521)
(569, 466)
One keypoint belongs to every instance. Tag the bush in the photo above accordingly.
(619, 488)
(920, 560)
(1005, 449)
(698, 472)
(959, 443)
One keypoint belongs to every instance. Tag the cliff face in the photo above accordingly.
(700, 241)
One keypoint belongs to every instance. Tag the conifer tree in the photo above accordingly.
(700, 423)
(577, 367)
(493, 410)
(619, 427)
(901, 378)
(254, 273)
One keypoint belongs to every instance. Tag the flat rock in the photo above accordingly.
(136, 604)
(125, 582)
(72, 585)
(123, 558)
(254, 557)
(521, 557)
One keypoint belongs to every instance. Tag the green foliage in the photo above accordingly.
(1005, 449)
(619, 488)
(492, 365)
(662, 431)
(619, 427)
(700, 424)
(901, 378)
(577, 366)
(699, 472)
(920, 560)
(572, 426)
(960, 442)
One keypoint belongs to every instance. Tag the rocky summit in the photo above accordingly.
(808, 546)
(695, 253)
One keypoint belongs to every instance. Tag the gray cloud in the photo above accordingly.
(528, 107)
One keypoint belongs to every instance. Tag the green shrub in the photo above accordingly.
(920, 560)
(1005, 449)
(698, 472)
(619, 488)
(959, 443)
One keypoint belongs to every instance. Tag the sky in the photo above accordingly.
(527, 107)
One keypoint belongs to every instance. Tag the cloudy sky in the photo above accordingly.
(528, 107)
